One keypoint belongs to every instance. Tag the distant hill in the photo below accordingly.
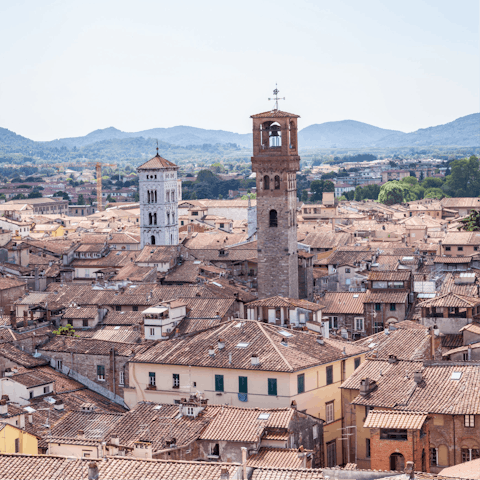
(463, 132)
(180, 135)
(343, 134)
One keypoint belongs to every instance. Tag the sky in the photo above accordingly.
(69, 67)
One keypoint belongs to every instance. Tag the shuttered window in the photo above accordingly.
(242, 384)
(301, 383)
(219, 383)
(272, 386)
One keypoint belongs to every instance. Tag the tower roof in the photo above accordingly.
(275, 114)
(156, 162)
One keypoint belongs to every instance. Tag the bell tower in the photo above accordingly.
(275, 161)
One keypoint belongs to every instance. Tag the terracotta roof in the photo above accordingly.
(6, 283)
(404, 343)
(392, 419)
(460, 202)
(186, 273)
(20, 357)
(270, 457)
(386, 297)
(451, 300)
(278, 349)
(234, 424)
(123, 318)
(462, 238)
(32, 379)
(134, 273)
(463, 348)
(451, 284)
(25, 467)
(327, 240)
(287, 474)
(80, 312)
(343, 303)
(472, 327)
(274, 114)
(157, 162)
(346, 255)
(386, 276)
(208, 307)
(463, 470)
(438, 259)
(110, 333)
(157, 254)
(279, 301)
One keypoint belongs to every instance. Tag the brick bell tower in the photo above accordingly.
(275, 161)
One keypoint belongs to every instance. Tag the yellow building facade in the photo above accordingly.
(16, 440)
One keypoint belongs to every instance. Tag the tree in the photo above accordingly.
(471, 223)
(343, 198)
(64, 195)
(464, 181)
(391, 193)
(349, 195)
(317, 187)
(67, 330)
(20, 196)
(369, 192)
(81, 200)
(34, 195)
(410, 180)
(434, 193)
(432, 182)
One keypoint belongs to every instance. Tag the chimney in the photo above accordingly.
(436, 345)
(392, 359)
(115, 440)
(80, 434)
(469, 353)
(418, 377)
(293, 404)
(211, 351)
(3, 407)
(320, 340)
(230, 358)
(59, 405)
(244, 463)
(221, 343)
(93, 473)
(255, 360)
(410, 470)
(224, 475)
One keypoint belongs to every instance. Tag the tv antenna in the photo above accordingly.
(276, 97)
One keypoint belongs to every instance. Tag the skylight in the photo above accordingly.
(264, 416)
(372, 345)
(238, 325)
(116, 328)
(356, 295)
(285, 334)
(456, 376)
(243, 345)
(157, 407)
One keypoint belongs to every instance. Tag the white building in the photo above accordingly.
(158, 202)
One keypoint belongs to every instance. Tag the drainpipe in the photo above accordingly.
(454, 447)
(244, 463)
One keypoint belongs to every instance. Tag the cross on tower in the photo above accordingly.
(157, 148)
(276, 98)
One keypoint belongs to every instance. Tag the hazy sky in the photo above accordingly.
(69, 67)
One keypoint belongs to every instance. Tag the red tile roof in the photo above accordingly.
(157, 162)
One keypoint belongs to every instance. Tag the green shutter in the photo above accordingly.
(272, 386)
(242, 385)
(301, 383)
(219, 383)
(329, 375)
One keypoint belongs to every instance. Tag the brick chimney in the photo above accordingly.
(410, 470)
(93, 473)
(436, 345)
(224, 475)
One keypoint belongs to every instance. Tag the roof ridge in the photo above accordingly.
(274, 346)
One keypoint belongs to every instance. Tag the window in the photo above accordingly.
(30, 394)
(219, 387)
(332, 453)
(377, 327)
(333, 323)
(46, 389)
(122, 377)
(266, 182)
(222, 225)
(347, 270)
(329, 375)
(17, 445)
(152, 379)
(469, 420)
(273, 218)
(359, 324)
(135, 308)
(357, 362)
(460, 249)
(393, 307)
(272, 386)
(433, 457)
(378, 307)
(367, 448)
(242, 384)
(215, 450)
(101, 372)
(59, 364)
(277, 182)
(448, 249)
(176, 380)
(301, 383)
(469, 454)
(85, 322)
(152, 331)
(315, 432)
(118, 308)
(475, 249)
(329, 412)
(393, 434)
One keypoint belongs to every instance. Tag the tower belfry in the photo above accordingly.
(276, 162)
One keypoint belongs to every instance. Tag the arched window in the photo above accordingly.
(173, 195)
(168, 218)
(277, 182)
(155, 196)
(152, 240)
(154, 218)
(266, 182)
(149, 218)
(148, 196)
(168, 196)
(273, 218)
(173, 218)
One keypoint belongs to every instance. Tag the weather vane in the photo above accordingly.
(276, 98)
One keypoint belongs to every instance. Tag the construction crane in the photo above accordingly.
(99, 182)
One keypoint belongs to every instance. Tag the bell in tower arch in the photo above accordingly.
(275, 135)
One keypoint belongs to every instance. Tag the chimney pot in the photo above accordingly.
(255, 360)
(93, 471)
(418, 377)
(224, 475)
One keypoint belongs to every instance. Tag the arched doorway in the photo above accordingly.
(397, 462)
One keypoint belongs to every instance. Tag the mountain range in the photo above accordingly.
(462, 132)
